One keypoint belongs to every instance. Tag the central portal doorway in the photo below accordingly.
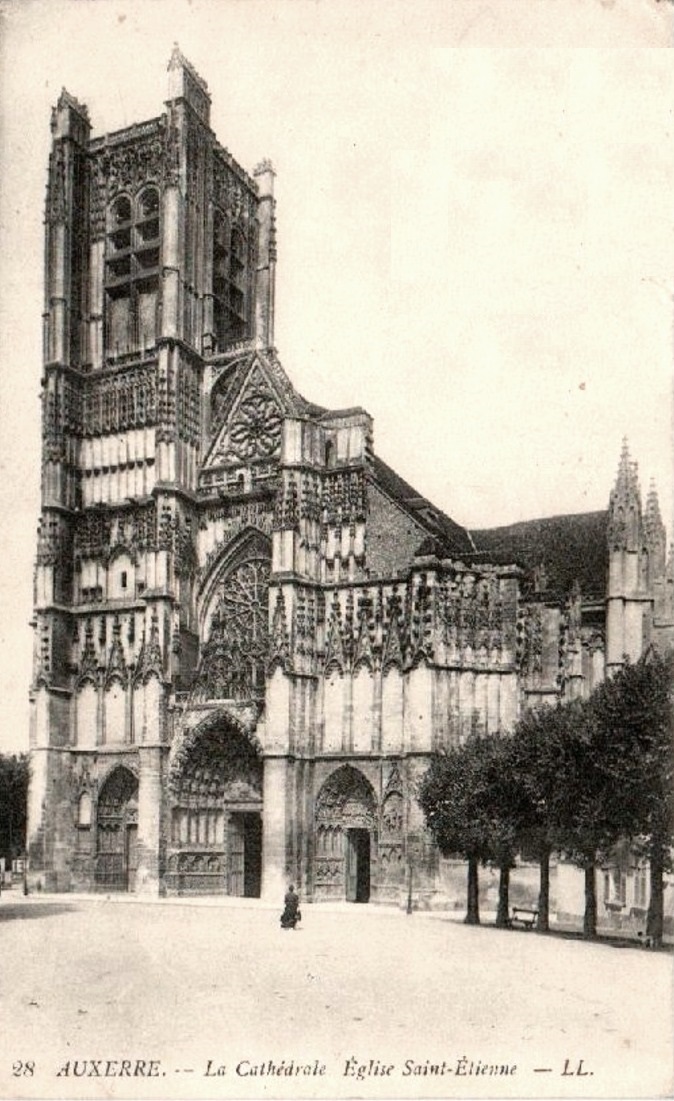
(357, 865)
(245, 855)
(215, 784)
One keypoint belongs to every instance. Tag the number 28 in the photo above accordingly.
(23, 1070)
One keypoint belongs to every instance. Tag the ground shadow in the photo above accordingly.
(21, 910)
(603, 939)
(609, 940)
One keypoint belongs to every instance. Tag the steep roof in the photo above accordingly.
(449, 536)
(569, 548)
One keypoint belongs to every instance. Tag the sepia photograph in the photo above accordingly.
(336, 513)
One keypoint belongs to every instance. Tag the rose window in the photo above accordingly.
(256, 432)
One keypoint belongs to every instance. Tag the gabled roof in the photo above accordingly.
(448, 536)
(231, 371)
(568, 548)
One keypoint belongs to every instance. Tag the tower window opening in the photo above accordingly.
(148, 203)
(230, 297)
(120, 212)
(132, 266)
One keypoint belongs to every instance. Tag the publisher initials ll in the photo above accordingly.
(575, 1071)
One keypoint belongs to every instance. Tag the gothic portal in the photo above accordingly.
(250, 632)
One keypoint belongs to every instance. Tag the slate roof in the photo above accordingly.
(449, 538)
(570, 548)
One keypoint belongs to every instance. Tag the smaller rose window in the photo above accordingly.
(256, 431)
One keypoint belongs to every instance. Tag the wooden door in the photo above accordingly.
(110, 869)
(252, 862)
(237, 855)
(131, 855)
(351, 866)
(117, 813)
(363, 872)
(357, 866)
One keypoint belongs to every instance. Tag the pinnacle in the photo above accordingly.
(653, 525)
(626, 488)
(652, 501)
(178, 60)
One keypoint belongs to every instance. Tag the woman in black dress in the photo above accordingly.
(291, 911)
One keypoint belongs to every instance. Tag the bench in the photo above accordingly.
(522, 916)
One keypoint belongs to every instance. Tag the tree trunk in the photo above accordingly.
(503, 911)
(655, 917)
(590, 917)
(544, 894)
(473, 911)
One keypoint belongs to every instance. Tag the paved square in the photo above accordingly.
(135, 999)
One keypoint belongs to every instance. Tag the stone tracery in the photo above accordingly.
(254, 431)
(234, 656)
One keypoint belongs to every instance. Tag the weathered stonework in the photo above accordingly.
(250, 633)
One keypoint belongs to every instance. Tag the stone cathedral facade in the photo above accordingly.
(250, 633)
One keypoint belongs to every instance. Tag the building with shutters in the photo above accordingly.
(250, 633)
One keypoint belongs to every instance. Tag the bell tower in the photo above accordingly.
(159, 264)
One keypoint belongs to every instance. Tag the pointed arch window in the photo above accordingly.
(132, 265)
(235, 654)
(230, 297)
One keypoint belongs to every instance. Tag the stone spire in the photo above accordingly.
(654, 530)
(625, 505)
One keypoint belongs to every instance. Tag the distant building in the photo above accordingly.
(250, 633)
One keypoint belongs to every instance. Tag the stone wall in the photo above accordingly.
(393, 536)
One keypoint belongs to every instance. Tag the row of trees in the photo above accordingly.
(574, 779)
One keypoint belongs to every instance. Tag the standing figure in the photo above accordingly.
(291, 912)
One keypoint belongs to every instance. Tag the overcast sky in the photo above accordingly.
(474, 241)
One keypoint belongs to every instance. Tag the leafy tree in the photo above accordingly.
(471, 803)
(538, 757)
(452, 795)
(503, 807)
(634, 735)
(13, 804)
(587, 816)
(576, 779)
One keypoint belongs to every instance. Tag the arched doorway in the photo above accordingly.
(216, 813)
(116, 832)
(345, 836)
